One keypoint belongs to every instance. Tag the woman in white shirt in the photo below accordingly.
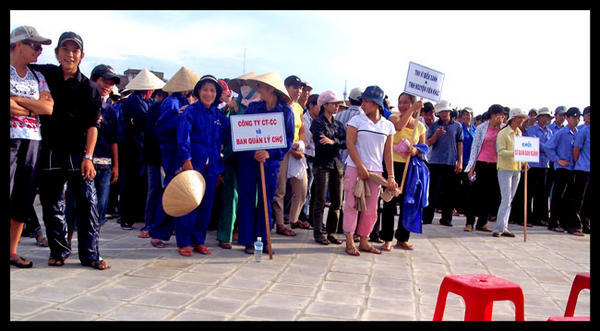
(369, 140)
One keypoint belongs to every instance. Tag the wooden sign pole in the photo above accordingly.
(264, 194)
(525, 206)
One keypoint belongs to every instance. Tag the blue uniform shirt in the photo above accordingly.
(200, 135)
(165, 129)
(554, 128)
(544, 135)
(467, 142)
(560, 147)
(582, 140)
(445, 150)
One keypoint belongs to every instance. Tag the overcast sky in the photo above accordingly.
(525, 59)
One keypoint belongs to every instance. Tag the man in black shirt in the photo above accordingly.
(68, 141)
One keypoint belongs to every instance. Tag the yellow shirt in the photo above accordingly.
(407, 134)
(298, 111)
(505, 146)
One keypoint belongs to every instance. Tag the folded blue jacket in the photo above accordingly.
(416, 191)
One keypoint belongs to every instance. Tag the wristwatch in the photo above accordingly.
(89, 157)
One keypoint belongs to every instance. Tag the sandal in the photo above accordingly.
(98, 264)
(405, 245)
(334, 240)
(144, 234)
(285, 231)
(557, 229)
(371, 249)
(225, 245)
(56, 262)
(352, 251)
(41, 242)
(322, 241)
(16, 263)
(384, 247)
(202, 250)
(158, 244)
(185, 251)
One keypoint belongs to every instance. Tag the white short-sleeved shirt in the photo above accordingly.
(26, 127)
(370, 140)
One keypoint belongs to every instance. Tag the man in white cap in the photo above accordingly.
(445, 137)
(68, 142)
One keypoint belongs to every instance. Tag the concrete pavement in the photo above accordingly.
(305, 281)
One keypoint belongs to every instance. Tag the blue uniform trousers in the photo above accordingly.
(251, 221)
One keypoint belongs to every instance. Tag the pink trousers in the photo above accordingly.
(368, 217)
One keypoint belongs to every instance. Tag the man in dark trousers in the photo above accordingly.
(68, 142)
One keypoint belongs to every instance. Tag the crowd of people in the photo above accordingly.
(90, 150)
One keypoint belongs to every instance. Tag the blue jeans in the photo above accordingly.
(153, 199)
(102, 185)
(508, 181)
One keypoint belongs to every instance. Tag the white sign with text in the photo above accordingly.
(424, 82)
(257, 131)
(527, 149)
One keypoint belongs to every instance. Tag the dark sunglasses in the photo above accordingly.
(35, 47)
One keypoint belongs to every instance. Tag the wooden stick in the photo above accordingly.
(525, 207)
(264, 194)
(416, 129)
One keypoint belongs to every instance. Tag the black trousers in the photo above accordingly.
(134, 190)
(390, 210)
(563, 210)
(464, 195)
(583, 197)
(326, 180)
(53, 208)
(486, 192)
(537, 196)
(441, 192)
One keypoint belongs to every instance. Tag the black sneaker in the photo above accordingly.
(126, 226)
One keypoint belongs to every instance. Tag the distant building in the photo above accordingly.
(129, 74)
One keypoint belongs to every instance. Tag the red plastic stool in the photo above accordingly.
(580, 282)
(479, 293)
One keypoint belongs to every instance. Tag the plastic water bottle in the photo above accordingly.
(258, 248)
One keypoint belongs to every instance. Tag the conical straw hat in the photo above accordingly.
(274, 80)
(183, 80)
(184, 193)
(145, 80)
(235, 84)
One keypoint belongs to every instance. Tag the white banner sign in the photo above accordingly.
(527, 149)
(424, 82)
(257, 131)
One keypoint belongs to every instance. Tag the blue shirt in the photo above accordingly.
(200, 135)
(445, 150)
(544, 135)
(560, 147)
(553, 127)
(107, 132)
(165, 129)
(582, 140)
(467, 141)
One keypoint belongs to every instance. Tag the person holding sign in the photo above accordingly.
(563, 214)
(251, 221)
(405, 124)
(369, 139)
(200, 135)
(509, 171)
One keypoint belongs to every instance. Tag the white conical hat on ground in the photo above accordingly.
(235, 84)
(145, 80)
(274, 80)
(184, 193)
(183, 80)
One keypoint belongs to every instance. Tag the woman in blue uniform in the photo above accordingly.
(251, 221)
(180, 85)
(200, 135)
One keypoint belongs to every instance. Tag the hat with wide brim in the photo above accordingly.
(144, 81)
(274, 80)
(544, 111)
(236, 83)
(184, 193)
(441, 106)
(516, 112)
(183, 80)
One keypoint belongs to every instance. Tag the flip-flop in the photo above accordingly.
(352, 251)
(405, 246)
(158, 244)
(144, 234)
(16, 263)
(57, 262)
(185, 251)
(42, 242)
(225, 245)
(286, 232)
(202, 250)
(98, 264)
(370, 250)
(383, 248)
